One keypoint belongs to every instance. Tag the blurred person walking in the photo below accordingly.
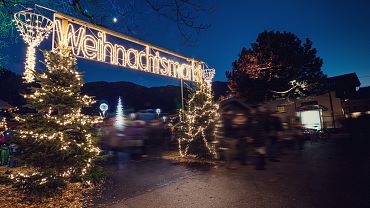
(229, 138)
(259, 129)
(240, 123)
(274, 128)
(298, 133)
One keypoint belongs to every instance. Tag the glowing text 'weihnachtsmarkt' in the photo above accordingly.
(93, 44)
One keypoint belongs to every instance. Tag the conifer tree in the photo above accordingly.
(57, 142)
(278, 65)
(120, 119)
(196, 130)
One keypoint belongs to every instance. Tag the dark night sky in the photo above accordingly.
(340, 31)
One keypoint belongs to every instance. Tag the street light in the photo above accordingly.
(103, 108)
(132, 116)
(164, 118)
(158, 111)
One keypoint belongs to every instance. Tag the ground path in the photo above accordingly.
(331, 174)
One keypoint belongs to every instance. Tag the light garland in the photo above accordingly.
(90, 42)
(296, 85)
(120, 119)
(209, 112)
(33, 28)
(4, 124)
(63, 121)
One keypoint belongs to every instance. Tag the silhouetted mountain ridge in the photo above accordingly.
(136, 97)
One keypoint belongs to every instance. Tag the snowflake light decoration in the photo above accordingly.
(33, 28)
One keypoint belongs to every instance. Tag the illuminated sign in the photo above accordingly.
(281, 108)
(96, 43)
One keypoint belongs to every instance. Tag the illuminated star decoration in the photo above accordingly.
(33, 28)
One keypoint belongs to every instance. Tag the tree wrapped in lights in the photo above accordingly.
(3, 125)
(120, 119)
(57, 142)
(196, 131)
(277, 65)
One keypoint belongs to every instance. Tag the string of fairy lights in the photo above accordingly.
(4, 124)
(64, 121)
(33, 28)
(209, 111)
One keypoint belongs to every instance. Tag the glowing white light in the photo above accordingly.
(158, 111)
(103, 107)
(114, 19)
(311, 119)
(132, 116)
(208, 75)
(120, 120)
(164, 118)
(33, 28)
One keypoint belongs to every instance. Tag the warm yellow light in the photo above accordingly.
(33, 28)
(95, 46)
(73, 119)
(209, 110)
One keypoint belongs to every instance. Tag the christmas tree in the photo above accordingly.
(58, 143)
(120, 120)
(196, 130)
(278, 65)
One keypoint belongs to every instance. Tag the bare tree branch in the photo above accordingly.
(184, 16)
(77, 6)
(182, 12)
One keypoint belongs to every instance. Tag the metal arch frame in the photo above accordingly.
(195, 63)
(65, 20)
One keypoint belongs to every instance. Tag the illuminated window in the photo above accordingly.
(281, 108)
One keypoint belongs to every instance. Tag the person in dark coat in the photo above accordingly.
(259, 126)
(240, 122)
(298, 132)
(274, 127)
(229, 137)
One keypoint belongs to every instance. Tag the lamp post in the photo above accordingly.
(158, 111)
(103, 108)
(182, 95)
(180, 72)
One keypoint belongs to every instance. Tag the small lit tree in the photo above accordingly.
(196, 131)
(57, 142)
(120, 120)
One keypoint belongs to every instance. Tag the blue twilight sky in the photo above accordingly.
(339, 30)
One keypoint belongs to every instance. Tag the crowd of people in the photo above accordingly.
(133, 138)
(259, 132)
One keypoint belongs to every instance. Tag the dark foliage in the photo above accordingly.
(11, 86)
(358, 127)
(272, 62)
